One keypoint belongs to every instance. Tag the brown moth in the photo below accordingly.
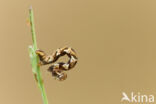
(58, 69)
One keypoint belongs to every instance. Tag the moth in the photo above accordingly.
(57, 69)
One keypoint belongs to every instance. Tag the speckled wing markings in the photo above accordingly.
(58, 69)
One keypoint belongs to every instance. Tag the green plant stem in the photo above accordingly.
(35, 59)
(32, 28)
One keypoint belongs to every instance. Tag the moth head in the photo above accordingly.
(62, 76)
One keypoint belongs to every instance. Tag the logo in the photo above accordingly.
(137, 98)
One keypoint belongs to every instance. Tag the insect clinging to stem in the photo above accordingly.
(58, 69)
